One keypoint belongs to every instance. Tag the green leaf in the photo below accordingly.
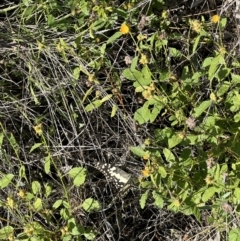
(235, 102)
(168, 155)
(237, 117)
(137, 150)
(14, 143)
(207, 62)
(202, 107)
(147, 77)
(196, 42)
(98, 24)
(38, 204)
(143, 199)
(234, 234)
(141, 81)
(105, 98)
(134, 63)
(210, 122)
(65, 214)
(90, 235)
(217, 172)
(103, 49)
(114, 37)
(235, 78)
(51, 20)
(237, 193)
(47, 164)
(57, 204)
(5, 180)
(74, 228)
(29, 196)
(192, 138)
(223, 23)
(142, 115)
(146, 184)
(214, 65)
(22, 172)
(155, 112)
(93, 105)
(6, 232)
(36, 187)
(174, 52)
(78, 174)
(35, 146)
(1, 139)
(28, 11)
(114, 110)
(90, 205)
(162, 171)
(26, 2)
(223, 73)
(224, 88)
(87, 93)
(69, 238)
(158, 201)
(34, 95)
(76, 73)
(196, 212)
(208, 194)
(48, 190)
(131, 74)
(174, 141)
(140, 89)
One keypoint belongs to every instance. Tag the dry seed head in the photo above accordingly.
(224, 176)
(128, 60)
(210, 162)
(227, 207)
(191, 123)
(143, 22)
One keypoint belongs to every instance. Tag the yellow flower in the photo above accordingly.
(124, 28)
(213, 97)
(196, 26)
(143, 59)
(176, 203)
(222, 50)
(141, 37)
(147, 94)
(38, 129)
(146, 155)
(21, 193)
(28, 231)
(164, 14)
(127, 6)
(64, 231)
(209, 180)
(181, 135)
(11, 237)
(215, 18)
(146, 172)
(147, 142)
(10, 202)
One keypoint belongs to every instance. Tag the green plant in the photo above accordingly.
(30, 205)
